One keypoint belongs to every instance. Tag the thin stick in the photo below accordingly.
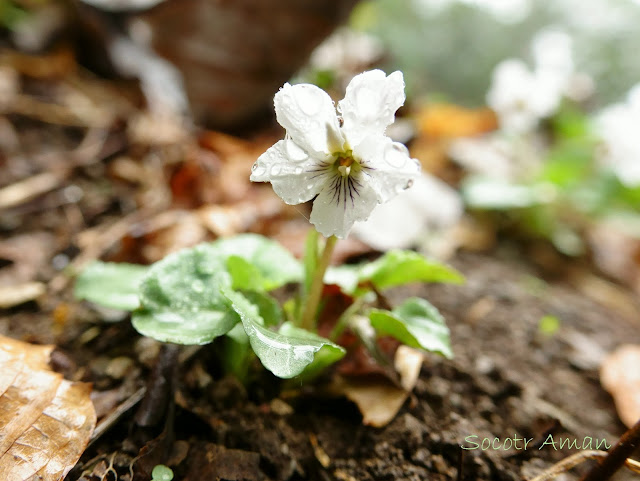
(315, 291)
(618, 454)
(577, 458)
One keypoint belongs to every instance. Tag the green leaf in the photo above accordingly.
(398, 267)
(346, 276)
(268, 308)
(415, 323)
(285, 356)
(327, 355)
(244, 275)
(181, 300)
(161, 473)
(275, 264)
(111, 285)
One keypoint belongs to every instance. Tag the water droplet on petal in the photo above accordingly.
(298, 170)
(309, 99)
(258, 170)
(275, 169)
(409, 184)
(396, 155)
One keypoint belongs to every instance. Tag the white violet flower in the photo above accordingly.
(617, 126)
(521, 97)
(345, 162)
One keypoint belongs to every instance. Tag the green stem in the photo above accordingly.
(345, 317)
(315, 291)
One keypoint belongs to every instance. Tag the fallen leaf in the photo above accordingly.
(378, 399)
(620, 375)
(46, 421)
(27, 256)
(20, 293)
(446, 120)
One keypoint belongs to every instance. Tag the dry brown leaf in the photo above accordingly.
(379, 400)
(620, 375)
(20, 293)
(46, 421)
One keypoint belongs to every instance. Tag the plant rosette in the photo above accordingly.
(223, 289)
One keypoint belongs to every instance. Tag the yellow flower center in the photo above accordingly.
(345, 163)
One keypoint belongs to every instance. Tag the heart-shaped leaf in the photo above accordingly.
(416, 323)
(398, 267)
(275, 264)
(181, 300)
(111, 284)
(244, 275)
(284, 355)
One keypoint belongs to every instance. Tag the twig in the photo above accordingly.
(618, 454)
(577, 458)
(26, 189)
(110, 420)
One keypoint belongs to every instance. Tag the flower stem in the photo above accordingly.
(315, 291)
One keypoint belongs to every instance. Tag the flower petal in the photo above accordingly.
(387, 164)
(309, 115)
(370, 104)
(342, 201)
(295, 175)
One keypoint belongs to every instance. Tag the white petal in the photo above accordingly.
(370, 104)
(387, 164)
(342, 201)
(295, 176)
(309, 115)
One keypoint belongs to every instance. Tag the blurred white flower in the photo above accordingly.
(617, 126)
(430, 206)
(553, 56)
(521, 97)
(490, 156)
(346, 49)
(346, 163)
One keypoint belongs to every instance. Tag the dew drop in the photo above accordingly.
(258, 170)
(396, 155)
(309, 100)
(276, 169)
(409, 184)
(197, 286)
